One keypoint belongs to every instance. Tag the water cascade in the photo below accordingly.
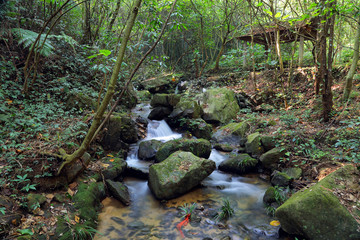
(149, 218)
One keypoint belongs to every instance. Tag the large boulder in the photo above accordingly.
(178, 174)
(120, 131)
(233, 134)
(199, 147)
(280, 179)
(160, 84)
(239, 163)
(253, 145)
(197, 127)
(271, 159)
(147, 149)
(165, 100)
(316, 212)
(159, 113)
(187, 108)
(219, 105)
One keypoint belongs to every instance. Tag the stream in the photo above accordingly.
(149, 218)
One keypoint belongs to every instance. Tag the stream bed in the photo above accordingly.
(149, 218)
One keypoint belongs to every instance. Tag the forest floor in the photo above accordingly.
(41, 124)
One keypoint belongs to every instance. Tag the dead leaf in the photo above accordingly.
(275, 223)
(70, 192)
(49, 196)
(73, 185)
(77, 219)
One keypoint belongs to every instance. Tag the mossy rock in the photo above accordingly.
(159, 113)
(253, 144)
(187, 108)
(113, 167)
(35, 200)
(219, 105)
(144, 95)
(233, 134)
(294, 173)
(197, 127)
(88, 198)
(199, 147)
(224, 147)
(160, 84)
(178, 174)
(165, 100)
(280, 179)
(119, 191)
(267, 142)
(271, 158)
(269, 196)
(147, 149)
(316, 213)
(239, 163)
(121, 131)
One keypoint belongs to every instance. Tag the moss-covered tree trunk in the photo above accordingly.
(350, 75)
(69, 159)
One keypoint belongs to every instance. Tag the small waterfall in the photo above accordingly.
(161, 131)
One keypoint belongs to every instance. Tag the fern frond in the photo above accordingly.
(27, 39)
(63, 37)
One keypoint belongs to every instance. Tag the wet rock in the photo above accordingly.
(271, 158)
(148, 149)
(119, 191)
(141, 173)
(165, 100)
(159, 113)
(269, 196)
(267, 230)
(280, 179)
(294, 173)
(186, 108)
(112, 168)
(224, 147)
(118, 220)
(136, 225)
(120, 131)
(239, 163)
(219, 105)
(160, 84)
(253, 144)
(178, 174)
(233, 134)
(199, 147)
(197, 127)
(316, 213)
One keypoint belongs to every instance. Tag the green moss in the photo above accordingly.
(237, 129)
(199, 147)
(87, 200)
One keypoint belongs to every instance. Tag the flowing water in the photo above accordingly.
(148, 218)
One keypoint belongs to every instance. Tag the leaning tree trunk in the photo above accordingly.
(71, 158)
(351, 73)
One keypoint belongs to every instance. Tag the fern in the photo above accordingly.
(27, 38)
(65, 38)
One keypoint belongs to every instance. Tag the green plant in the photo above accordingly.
(29, 187)
(226, 211)
(25, 232)
(77, 231)
(187, 209)
(270, 210)
(2, 210)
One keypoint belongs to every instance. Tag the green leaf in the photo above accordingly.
(260, 4)
(285, 17)
(25, 232)
(104, 52)
(268, 12)
(277, 15)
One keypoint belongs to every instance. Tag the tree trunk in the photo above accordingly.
(116, 12)
(223, 43)
(301, 51)
(351, 73)
(86, 24)
(278, 50)
(69, 159)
